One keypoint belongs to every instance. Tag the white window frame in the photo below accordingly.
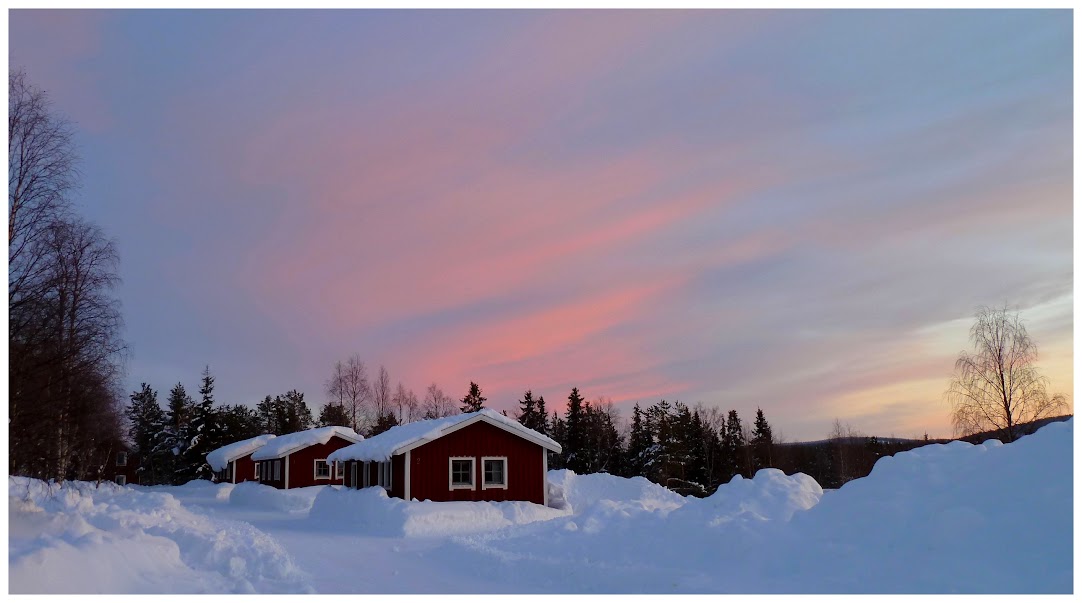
(487, 486)
(256, 476)
(338, 471)
(315, 469)
(384, 474)
(366, 478)
(121, 480)
(277, 470)
(353, 475)
(122, 459)
(451, 485)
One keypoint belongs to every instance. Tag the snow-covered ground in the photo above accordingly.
(938, 519)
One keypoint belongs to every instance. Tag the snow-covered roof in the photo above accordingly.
(292, 442)
(218, 459)
(398, 440)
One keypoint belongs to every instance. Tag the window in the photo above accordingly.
(338, 472)
(323, 470)
(383, 476)
(461, 472)
(277, 470)
(122, 480)
(353, 475)
(366, 479)
(122, 459)
(495, 472)
(257, 465)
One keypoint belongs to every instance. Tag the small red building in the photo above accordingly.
(122, 465)
(300, 459)
(469, 457)
(233, 463)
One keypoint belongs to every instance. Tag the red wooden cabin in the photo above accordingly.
(473, 456)
(233, 463)
(300, 459)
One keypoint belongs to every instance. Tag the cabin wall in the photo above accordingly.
(430, 468)
(244, 469)
(302, 464)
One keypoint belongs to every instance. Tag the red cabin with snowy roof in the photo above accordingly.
(469, 457)
(233, 463)
(300, 459)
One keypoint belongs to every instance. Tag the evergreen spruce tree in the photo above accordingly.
(698, 462)
(175, 440)
(268, 412)
(238, 422)
(638, 445)
(204, 434)
(558, 432)
(543, 418)
(530, 415)
(575, 435)
(473, 401)
(333, 414)
(292, 412)
(762, 441)
(147, 434)
(384, 422)
(658, 456)
(732, 448)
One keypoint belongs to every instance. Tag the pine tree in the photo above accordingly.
(292, 412)
(473, 401)
(543, 422)
(333, 414)
(575, 434)
(732, 448)
(530, 416)
(238, 422)
(762, 441)
(175, 440)
(384, 422)
(558, 432)
(269, 416)
(204, 435)
(638, 445)
(147, 434)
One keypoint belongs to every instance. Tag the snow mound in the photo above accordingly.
(259, 496)
(636, 494)
(370, 511)
(81, 538)
(989, 518)
(770, 495)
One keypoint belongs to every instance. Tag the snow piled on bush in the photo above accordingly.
(259, 496)
(371, 512)
(81, 538)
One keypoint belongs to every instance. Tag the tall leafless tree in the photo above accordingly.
(349, 387)
(407, 404)
(996, 386)
(381, 393)
(438, 404)
(64, 322)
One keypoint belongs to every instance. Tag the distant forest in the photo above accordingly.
(690, 450)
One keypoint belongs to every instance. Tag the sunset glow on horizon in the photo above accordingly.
(792, 210)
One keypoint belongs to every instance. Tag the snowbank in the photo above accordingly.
(259, 496)
(370, 511)
(78, 538)
(635, 494)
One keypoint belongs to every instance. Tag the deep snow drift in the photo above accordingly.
(942, 518)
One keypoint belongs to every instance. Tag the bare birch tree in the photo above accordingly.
(349, 387)
(381, 393)
(997, 386)
(438, 404)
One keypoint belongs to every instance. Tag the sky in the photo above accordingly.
(798, 211)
